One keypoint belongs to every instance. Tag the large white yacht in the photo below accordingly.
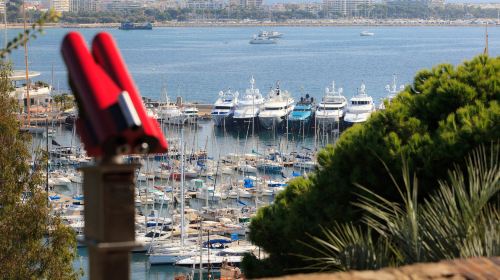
(360, 107)
(331, 109)
(249, 105)
(392, 91)
(277, 107)
(169, 113)
(223, 109)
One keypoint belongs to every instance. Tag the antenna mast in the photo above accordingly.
(486, 51)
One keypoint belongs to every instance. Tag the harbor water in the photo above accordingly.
(196, 63)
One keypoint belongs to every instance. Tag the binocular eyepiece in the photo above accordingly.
(112, 118)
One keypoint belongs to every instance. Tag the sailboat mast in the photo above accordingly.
(5, 23)
(182, 188)
(28, 100)
(486, 51)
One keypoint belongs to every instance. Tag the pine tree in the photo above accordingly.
(34, 243)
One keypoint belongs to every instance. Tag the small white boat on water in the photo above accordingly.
(270, 34)
(366, 33)
(277, 107)
(223, 109)
(360, 107)
(331, 109)
(260, 40)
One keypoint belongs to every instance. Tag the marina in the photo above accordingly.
(229, 153)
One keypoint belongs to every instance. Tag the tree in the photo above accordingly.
(434, 123)
(35, 243)
(460, 220)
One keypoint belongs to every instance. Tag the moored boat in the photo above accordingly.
(360, 107)
(331, 109)
(302, 113)
(223, 109)
(249, 105)
(278, 106)
(392, 91)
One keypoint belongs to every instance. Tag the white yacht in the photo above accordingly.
(270, 34)
(223, 109)
(169, 113)
(249, 105)
(262, 40)
(366, 33)
(392, 91)
(331, 109)
(360, 107)
(277, 107)
(190, 113)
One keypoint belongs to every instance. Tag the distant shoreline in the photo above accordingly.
(317, 23)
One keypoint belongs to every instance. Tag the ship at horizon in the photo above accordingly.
(135, 26)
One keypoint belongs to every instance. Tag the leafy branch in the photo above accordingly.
(36, 28)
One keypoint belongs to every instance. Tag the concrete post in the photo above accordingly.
(109, 218)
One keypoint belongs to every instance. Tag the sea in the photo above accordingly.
(195, 63)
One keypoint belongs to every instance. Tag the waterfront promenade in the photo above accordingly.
(292, 23)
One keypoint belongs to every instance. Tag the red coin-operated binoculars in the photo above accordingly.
(112, 118)
(112, 122)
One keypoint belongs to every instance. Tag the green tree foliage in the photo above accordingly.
(434, 123)
(460, 220)
(34, 243)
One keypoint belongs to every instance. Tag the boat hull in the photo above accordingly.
(351, 118)
(221, 120)
(270, 122)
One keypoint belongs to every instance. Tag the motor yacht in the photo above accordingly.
(360, 107)
(270, 34)
(249, 105)
(392, 91)
(169, 113)
(302, 113)
(366, 33)
(331, 109)
(223, 109)
(258, 40)
(278, 106)
(190, 113)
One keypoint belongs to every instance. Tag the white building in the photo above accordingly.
(125, 5)
(39, 95)
(246, 3)
(59, 5)
(346, 8)
(206, 4)
(78, 6)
